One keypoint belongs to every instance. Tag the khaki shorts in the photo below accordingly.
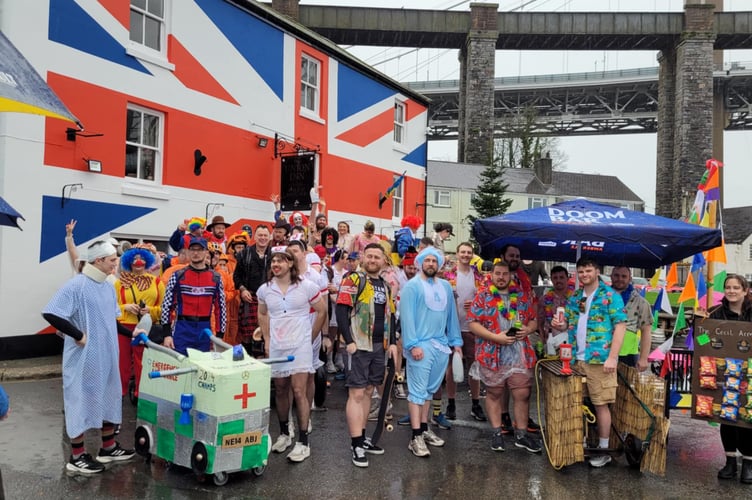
(601, 386)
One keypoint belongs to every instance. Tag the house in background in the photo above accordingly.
(451, 187)
(737, 233)
(159, 84)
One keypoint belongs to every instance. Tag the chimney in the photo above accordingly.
(544, 169)
(288, 8)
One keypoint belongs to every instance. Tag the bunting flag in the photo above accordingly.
(660, 353)
(681, 321)
(655, 320)
(655, 279)
(698, 208)
(666, 366)
(702, 289)
(717, 254)
(689, 292)
(672, 278)
(392, 189)
(665, 304)
(705, 222)
(712, 189)
(718, 280)
(698, 262)
(690, 342)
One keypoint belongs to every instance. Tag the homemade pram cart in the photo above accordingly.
(638, 429)
(208, 411)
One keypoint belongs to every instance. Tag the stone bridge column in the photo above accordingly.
(693, 112)
(461, 104)
(664, 179)
(290, 8)
(476, 136)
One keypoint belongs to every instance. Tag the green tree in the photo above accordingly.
(489, 197)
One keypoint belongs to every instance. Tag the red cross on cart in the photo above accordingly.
(244, 395)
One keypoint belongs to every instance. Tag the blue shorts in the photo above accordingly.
(424, 377)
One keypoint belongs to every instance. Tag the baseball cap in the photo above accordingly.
(353, 256)
(197, 241)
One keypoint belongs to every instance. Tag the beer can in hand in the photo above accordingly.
(560, 314)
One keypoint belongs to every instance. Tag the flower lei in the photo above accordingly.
(548, 302)
(509, 312)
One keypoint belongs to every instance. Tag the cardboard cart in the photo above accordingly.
(208, 411)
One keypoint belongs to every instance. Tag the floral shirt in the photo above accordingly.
(485, 310)
(606, 310)
(547, 304)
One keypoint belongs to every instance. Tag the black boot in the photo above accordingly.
(729, 471)
(746, 476)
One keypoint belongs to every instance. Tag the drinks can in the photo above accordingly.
(560, 314)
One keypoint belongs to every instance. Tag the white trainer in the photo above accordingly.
(282, 443)
(431, 438)
(299, 453)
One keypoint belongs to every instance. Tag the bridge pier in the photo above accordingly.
(476, 97)
(690, 122)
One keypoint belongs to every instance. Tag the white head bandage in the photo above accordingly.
(99, 249)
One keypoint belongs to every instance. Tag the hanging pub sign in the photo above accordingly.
(721, 372)
(298, 175)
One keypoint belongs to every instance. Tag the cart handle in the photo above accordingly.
(218, 342)
(170, 373)
(282, 359)
(142, 339)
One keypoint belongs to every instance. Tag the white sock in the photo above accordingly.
(602, 442)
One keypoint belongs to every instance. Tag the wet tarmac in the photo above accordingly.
(34, 450)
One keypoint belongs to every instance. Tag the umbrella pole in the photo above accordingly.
(577, 259)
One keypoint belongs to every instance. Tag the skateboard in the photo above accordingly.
(386, 396)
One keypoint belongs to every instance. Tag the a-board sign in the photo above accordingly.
(298, 173)
(721, 370)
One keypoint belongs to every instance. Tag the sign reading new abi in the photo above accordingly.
(240, 440)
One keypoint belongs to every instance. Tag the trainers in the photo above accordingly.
(359, 458)
(506, 424)
(477, 413)
(418, 447)
(282, 443)
(528, 443)
(299, 453)
(404, 420)
(316, 408)
(400, 392)
(84, 465)
(330, 368)
(429, 437)
(373, 415)
(310, 425)
(441, 421)
(371, 448)
(451, 412)
(497, 442)
(117, 454)
(600, 460)
(532, 426)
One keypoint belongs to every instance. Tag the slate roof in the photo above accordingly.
(737, 224)
(523, 181)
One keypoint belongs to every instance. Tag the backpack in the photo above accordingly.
(403, 239)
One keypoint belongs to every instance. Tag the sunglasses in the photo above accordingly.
(581, 304)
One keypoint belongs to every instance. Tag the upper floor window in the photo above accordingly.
(397, 200)
(399, 122)
(148, 23)
(749, 257)
(309, 84)
(441, 198)
(143, 143)
(536, 202)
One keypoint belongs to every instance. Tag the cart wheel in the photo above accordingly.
(132, 391)
(389, 427)
(143, 441)
(258, 471)
(199, 459)
(633, 450)
(220, 478)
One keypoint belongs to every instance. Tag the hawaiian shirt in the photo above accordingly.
(485, 311)
(547, 304)
(606, 310)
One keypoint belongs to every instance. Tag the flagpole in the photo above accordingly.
(710, 270)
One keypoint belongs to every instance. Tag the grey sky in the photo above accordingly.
(631, 157)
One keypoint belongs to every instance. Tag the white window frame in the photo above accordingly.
(143, 52)
(305, 109)
(400, 129)
(438, 194)
(536, 202)
(156, 177)
(397, 201)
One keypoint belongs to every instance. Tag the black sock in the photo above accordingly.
(356, 441)
(284, 427)
(303, 437)
(451, 402)
(423, 427)
(363, 434)
(417, 432)
(476, 402)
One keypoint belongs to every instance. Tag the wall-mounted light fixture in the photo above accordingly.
(94, 165)
(70, 188)
(262, 141)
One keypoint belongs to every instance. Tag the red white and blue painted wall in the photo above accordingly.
(152, 81)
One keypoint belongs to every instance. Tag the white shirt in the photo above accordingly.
(465, 291)
(289, 323)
